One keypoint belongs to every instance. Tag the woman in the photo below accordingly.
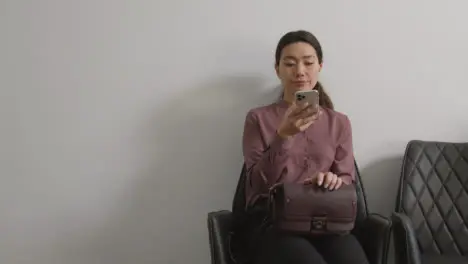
(287, 142)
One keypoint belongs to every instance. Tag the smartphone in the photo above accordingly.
(311, 97)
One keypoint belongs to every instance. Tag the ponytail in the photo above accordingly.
(325, 100)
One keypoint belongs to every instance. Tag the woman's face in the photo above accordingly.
(298, 68)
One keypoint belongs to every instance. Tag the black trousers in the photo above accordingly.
(265, 245)
(277, 248)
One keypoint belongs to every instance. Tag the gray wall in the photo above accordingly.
(121, 120)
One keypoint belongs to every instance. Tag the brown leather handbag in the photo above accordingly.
(309, 209)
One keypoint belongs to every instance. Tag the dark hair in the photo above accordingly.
(307, 37)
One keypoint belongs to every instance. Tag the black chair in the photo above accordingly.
(430, 223)
(372, 230)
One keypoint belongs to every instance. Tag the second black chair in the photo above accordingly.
(431, 218)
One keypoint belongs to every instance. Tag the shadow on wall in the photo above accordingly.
(384, 175)
(381, 194)
(192, 151)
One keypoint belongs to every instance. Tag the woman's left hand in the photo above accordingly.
(328, 180)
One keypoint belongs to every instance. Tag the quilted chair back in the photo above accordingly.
(433, 193)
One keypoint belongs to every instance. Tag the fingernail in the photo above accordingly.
(326, 185)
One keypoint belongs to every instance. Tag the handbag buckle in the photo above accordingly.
(318, 223)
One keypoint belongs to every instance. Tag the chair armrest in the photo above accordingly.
(219, 229)
(406, 245)
(374, 234)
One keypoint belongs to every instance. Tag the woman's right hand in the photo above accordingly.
(297, 119)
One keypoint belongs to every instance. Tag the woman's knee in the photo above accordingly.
(283, 249)
(341, 249)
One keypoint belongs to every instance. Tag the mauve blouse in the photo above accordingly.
(326, 146)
